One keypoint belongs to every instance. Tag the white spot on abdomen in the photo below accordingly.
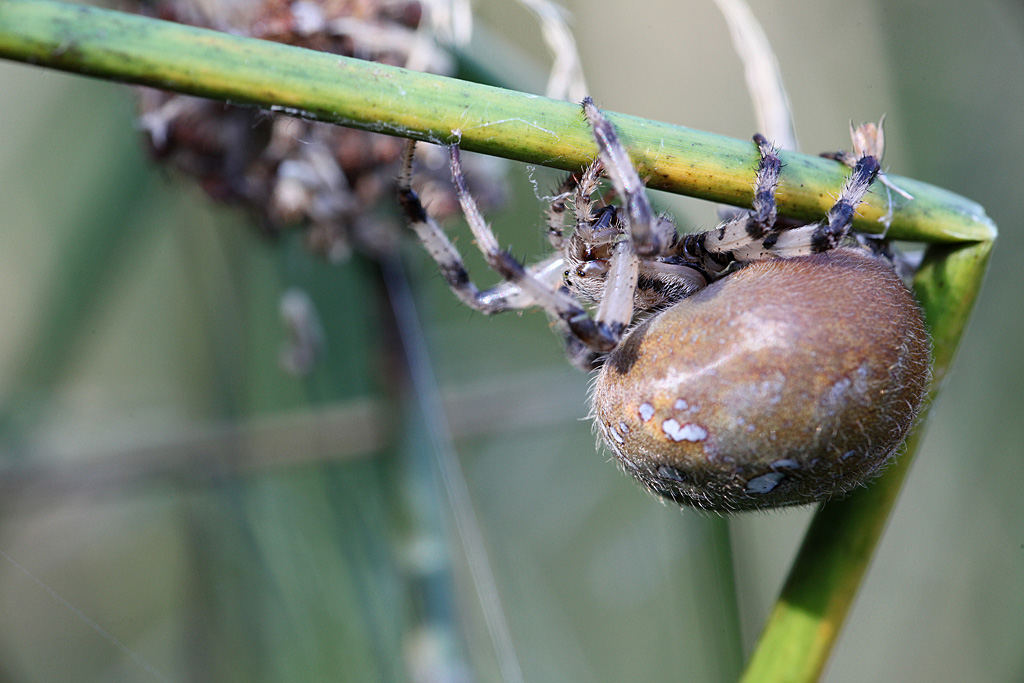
(764, 483)
(785, 464)
(684, 432)
(615, 435)
(646, 411)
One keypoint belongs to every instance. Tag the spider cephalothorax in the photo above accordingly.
(753, 365)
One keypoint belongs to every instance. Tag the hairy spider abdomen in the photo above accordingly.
(787, 382)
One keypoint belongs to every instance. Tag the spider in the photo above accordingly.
(754, 365)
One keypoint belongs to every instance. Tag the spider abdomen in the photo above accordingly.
(787, 382)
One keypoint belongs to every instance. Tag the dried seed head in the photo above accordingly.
(788, 382)
(287, 171)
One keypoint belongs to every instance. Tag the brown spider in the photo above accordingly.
(753, 365)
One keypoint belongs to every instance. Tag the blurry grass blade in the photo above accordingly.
(294, 571)
(428, 393)
(87, 265)
(762, 73)
(566, 80)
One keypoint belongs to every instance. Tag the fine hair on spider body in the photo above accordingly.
(750, 366)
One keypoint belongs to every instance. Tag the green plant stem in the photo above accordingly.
(804, 625)
(485, 119)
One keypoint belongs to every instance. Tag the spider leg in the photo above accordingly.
(761, 218)
(601, 333)
(865, 162)
(868, 140)
(828, 234)
(579, 355)
(583, 201)
(506, 296)
(555, 215)
(581, 186)
(651, 235)
(717, 248)
(503, 297)
(616, 307)
(752, 235)
(615, 310)
(675, 275)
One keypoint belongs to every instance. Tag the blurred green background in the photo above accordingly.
(165, 482)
